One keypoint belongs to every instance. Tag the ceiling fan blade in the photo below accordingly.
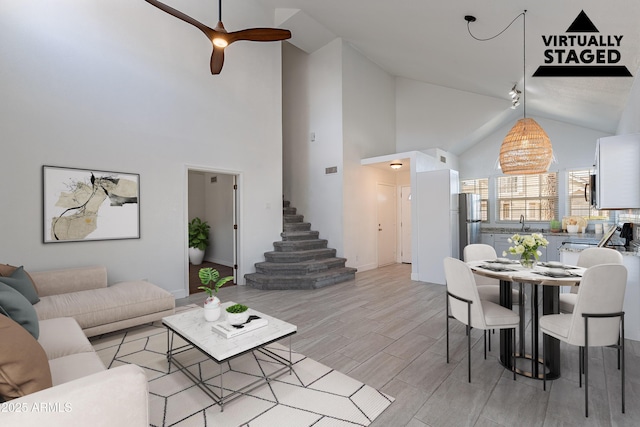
(209, 32)
(259, 35)
(217, 60)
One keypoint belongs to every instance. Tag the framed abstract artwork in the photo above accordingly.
(86, 204)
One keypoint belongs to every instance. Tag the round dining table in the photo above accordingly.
(548, 277)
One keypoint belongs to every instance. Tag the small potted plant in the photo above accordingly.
(198, 240)
(555, 226)
(212, 303)
(237, 314)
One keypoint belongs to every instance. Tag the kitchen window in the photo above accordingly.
(534, 196)
(579, 203)
(478, 186)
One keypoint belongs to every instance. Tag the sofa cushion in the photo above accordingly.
(54, 282)
(121, 301)
(74, 366)
(24, 368)
(14, 305)
(61, 337)
(21, 282)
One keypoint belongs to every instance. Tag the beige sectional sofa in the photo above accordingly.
(80, 391)
(82, 293)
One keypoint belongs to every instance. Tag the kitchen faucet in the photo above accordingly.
(522, 222)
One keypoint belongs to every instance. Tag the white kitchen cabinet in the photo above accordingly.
(617, 173)
(487, 239)
(553, 248)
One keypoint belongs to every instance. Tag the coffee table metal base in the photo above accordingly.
(222, 398)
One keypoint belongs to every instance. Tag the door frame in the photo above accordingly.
(239, 270)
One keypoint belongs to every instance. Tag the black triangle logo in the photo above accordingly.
(582, 24)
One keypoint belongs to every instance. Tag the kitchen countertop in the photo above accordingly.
(573, 243)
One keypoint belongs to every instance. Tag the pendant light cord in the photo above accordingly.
(524, 62)
(524, 50)
(497, 35)
(219, 10)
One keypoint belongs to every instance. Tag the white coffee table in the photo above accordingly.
(196, 331)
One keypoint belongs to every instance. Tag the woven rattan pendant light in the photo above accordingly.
(526, 150)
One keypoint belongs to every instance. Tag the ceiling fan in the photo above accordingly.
(219, 36)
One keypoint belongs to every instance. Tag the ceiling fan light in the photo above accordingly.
(220, 42)
(396, 165)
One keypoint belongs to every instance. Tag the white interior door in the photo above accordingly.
(405, 224)
(386, 224)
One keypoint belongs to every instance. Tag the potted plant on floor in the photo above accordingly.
(212, 303)
(198, 240)
(237, 314)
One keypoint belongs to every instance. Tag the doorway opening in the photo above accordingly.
(212, 195)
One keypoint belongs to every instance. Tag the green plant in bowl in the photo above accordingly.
(555, 225)
(237, 308)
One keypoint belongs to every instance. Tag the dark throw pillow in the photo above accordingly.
(21, 282)
(14, 305)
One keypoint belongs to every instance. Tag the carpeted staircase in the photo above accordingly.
(300, 261)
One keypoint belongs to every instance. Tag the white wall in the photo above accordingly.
(122, 86)
(369, 131)
(195, 204)
(630, 119)
(429, 116)
(313, 103)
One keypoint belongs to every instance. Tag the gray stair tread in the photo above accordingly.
(310, 277)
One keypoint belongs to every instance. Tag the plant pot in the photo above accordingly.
(196, 256)
(237, 318)
(212, 310)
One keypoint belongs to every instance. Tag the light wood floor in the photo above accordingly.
(389, 332)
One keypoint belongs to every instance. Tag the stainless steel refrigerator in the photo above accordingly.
(469, 220)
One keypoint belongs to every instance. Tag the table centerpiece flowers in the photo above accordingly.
(527, 247)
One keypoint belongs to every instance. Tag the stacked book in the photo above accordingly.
(229, 331)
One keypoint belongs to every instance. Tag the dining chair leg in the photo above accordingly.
(544, 366)
(447, 321)
(469, 340)
(484, 333)
(622, 351)
(489, 341)
(586, 367)
(469, 351)
(513, 355)
(580, 365)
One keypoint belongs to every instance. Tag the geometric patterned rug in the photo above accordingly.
(313, 395)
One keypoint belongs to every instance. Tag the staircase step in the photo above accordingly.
(286, 203)
(313, 281)
(299, 235)
(299, 245)
(299, 256)
(292, 218)
(297, 226)
(289, 211)
(299, 268)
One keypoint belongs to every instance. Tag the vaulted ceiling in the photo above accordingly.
(428, 41)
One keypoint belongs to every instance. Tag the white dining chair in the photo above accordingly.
(465, 305)
(588, 258)
(597, 319)
(488, 288)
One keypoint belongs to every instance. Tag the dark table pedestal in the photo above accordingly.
(531, 365)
